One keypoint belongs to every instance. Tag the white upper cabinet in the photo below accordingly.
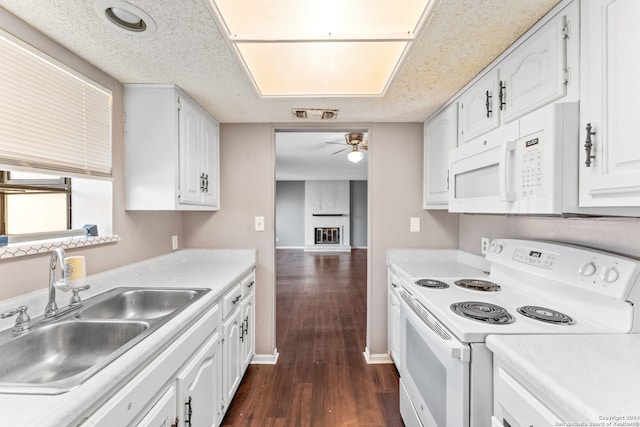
(532, 73)
(536, 73)
(440, 137)
(172, 151)
(477, 112)
(609, 90)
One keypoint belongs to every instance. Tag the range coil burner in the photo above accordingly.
(483, 312)
(546, 315)
(431, 284)
(478, 285)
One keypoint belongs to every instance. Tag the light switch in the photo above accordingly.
(259, 223)
(414, 225)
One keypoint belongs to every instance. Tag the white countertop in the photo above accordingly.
(194, 268)
(429, 263)
(581, 378)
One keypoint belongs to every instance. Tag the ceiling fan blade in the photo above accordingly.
(333, 142)
(340, 151)
(363, 147)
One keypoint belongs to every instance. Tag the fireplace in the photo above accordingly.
(327, 235)
(327, 219)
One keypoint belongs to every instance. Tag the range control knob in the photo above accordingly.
(497, 248)
(587, 269)
(610, 274)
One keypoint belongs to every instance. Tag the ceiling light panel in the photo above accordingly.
(290, 19)
(321, 48)
(321, 68)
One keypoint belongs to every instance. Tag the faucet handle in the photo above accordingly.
(75, 298)
(23, 319)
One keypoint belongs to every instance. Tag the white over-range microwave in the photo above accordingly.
(519, 167)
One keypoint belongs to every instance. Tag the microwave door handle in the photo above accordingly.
(505, 194)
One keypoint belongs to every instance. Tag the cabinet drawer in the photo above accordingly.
(248, 283)
(163, 412)
(231, 299)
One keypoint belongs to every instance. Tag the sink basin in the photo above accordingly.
(57, 355)
(58, 351)
(140, 304)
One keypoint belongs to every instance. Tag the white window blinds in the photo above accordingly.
(51, 117)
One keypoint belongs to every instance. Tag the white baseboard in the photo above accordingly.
(289, 247)
(265, 359)
(376, 359)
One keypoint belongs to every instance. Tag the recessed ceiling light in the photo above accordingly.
(124, 16)
(319, 49)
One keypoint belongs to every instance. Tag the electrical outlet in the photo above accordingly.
(484, 244)
(174, 242)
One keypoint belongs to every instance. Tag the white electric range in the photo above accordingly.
(532, 288)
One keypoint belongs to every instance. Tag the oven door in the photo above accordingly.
(435, 367)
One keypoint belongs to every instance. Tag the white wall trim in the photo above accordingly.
(265, 359)
(376, 359)
(289, 247)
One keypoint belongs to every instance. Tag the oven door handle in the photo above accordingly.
(436, 333)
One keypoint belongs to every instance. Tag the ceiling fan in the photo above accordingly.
(355, 142)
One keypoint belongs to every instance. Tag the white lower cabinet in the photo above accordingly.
(199, 390)
(393, 326)
(231, 371)
(248, 309)
(193, 380)
(164, 412)
(238, 337)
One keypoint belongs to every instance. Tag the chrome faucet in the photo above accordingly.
(57, 260)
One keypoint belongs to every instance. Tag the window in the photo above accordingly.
(55, 128)
(23, 198)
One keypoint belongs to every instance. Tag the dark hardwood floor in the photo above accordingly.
(321, 378)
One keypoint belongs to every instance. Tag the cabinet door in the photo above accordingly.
(190, 142)
(440, 137)
(199, 387)
(210, 162)
(609, 90)
(163, 413)
(231, 357)
(394, 325)
(534, 74)
(477, 112)
(247, 335)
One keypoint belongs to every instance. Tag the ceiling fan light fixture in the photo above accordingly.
(355, 156)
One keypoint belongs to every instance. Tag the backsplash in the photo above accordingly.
(42, 246)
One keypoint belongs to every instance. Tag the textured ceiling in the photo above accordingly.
(462, 37)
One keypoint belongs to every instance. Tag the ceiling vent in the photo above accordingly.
(314, 114)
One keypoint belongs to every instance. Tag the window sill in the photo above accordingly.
(42, 246)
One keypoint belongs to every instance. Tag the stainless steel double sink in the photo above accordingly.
(58, 356)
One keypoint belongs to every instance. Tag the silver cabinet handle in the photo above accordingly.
(588, 145)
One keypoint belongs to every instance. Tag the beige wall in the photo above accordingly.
(395, 195)
(144, 234)
(620, 235)
(247, 190)
(247, 183)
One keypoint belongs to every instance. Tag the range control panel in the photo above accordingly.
(535, 257)
(585, 268)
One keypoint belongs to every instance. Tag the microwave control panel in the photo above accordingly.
(532, 166)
